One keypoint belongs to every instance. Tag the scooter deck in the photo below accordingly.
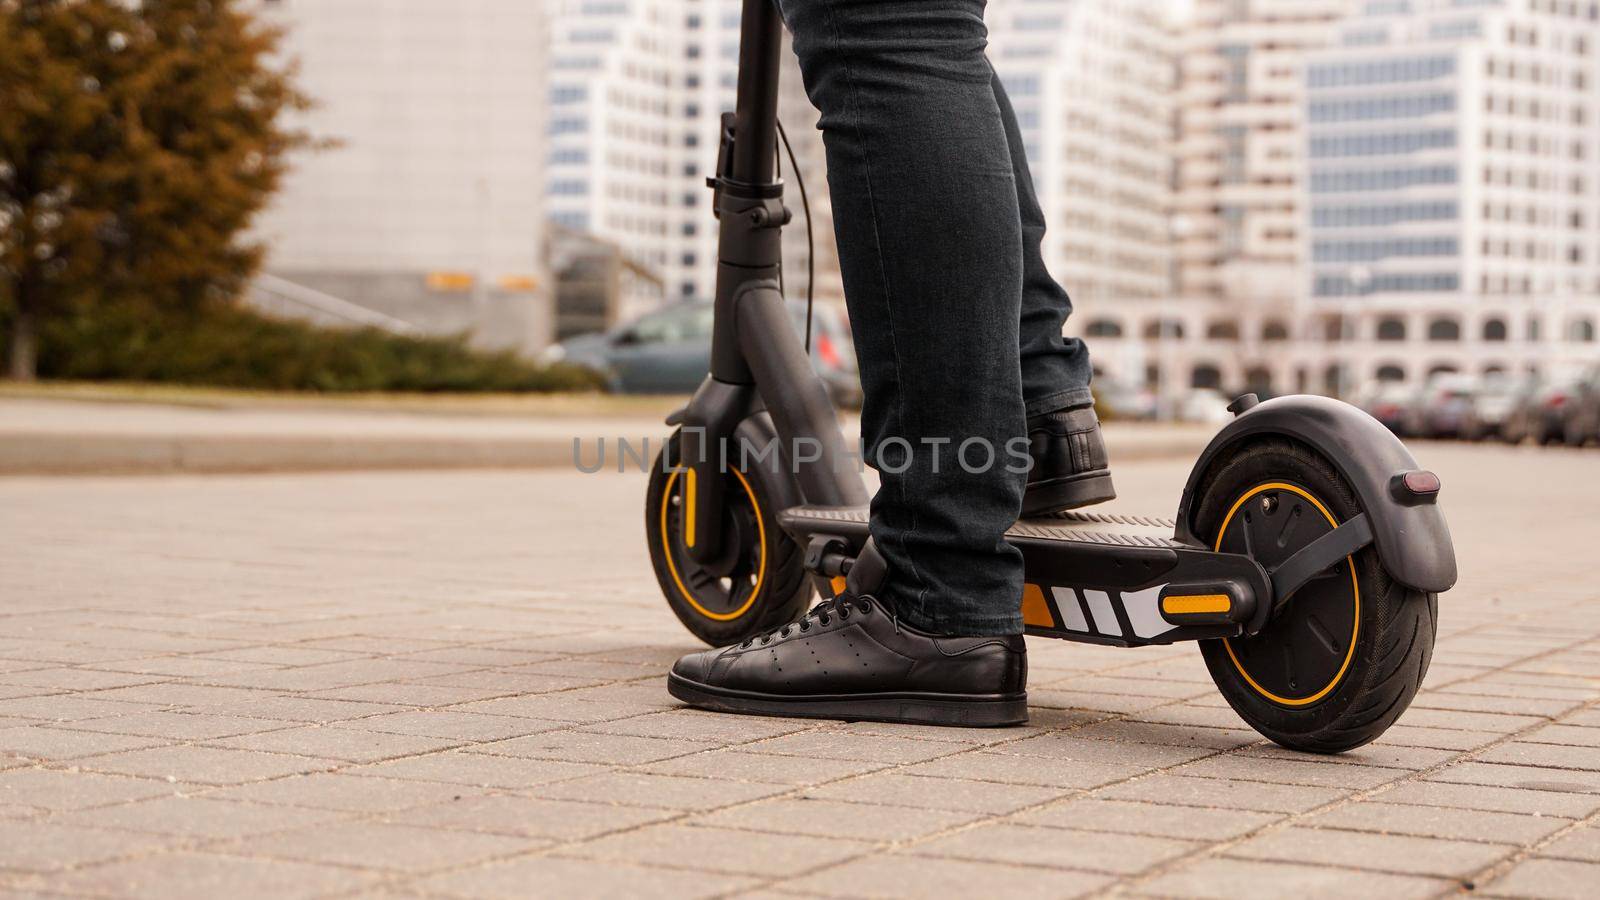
(1078, 527)
(1098, 577)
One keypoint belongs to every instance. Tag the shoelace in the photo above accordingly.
(841, 606)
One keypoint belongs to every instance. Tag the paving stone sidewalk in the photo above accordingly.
(450, 684)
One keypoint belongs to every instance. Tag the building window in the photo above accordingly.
(1391, 329)
(1495, 330)
(1164, 328)
(1444, 329)
(1103, 328)
(1205, 376)
(1274, 331)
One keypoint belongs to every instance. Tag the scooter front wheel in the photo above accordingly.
(1343, 657)
(758, 580)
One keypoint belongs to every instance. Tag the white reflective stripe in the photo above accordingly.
(1144, 612)
(1071, 611)
(1105, 618)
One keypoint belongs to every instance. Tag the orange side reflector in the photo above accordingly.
(1178, 605)
(838, 583)
(1035, 610)
(688, 508)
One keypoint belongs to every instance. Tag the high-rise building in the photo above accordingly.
(1241, 147)
(1453, 194)
(637, 93)
(1092, 82)
(427, 203)
(615, 127)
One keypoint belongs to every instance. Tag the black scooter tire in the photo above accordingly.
(769, 586)
(1392, 627)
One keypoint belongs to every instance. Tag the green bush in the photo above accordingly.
(236, 348)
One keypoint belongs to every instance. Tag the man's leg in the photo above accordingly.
(1055, 369)
(1070, 465)
(931, 252)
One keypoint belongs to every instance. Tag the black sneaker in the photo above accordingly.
(1070, 467)
(851, 658)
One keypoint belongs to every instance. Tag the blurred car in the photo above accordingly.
(1492, 412)
(1204, 405)
(1542, 413)
(1118, 400)
(1393, 403)
(1580, 416)
(1443, 406)
(668, 351)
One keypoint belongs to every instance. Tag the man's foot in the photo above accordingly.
(1070, 467)
(851, 658)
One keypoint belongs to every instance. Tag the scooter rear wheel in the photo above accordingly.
(1344, 656)
(757, 583)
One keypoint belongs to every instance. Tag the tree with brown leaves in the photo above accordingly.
(137, 141)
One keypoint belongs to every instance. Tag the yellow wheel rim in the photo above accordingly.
(1355, 588)
(761, 537)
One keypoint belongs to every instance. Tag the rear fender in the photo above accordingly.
(1409, 533)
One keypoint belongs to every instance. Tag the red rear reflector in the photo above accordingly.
(1414, 488)
(1421, 482)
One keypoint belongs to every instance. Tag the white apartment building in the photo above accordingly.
(637, 93)
(1452, 214)
(427, 205)
(1092, 82)
(616, 141)
(1241, 147)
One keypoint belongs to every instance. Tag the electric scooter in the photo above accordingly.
(1305, 557)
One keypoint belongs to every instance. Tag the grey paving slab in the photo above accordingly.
(346, 793)
(579, 878)
(1559, 879)
(721, 850)
(1441, 822)
(42, 742)
(829, 818)
(511, 814)
(1384, 852)
(927, 792)
(389, 847)
(1580, 844)
(896, 875)
(204, 765)
(650, 789)
(1227, 879)
(204, 876)
(1152, 819)
(49, 847)
(1122, 854)
(200, 818)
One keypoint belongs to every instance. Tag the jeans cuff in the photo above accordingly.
(961, 625)
(1060, 400)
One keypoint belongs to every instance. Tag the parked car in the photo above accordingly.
(1542, 413)
(1443, 406)
(1119, 400)
(1492, 412)
(1580, 416)
(1204, 405)
(1392, 404)
(668, 351)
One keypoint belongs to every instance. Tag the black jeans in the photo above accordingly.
(957, 322)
